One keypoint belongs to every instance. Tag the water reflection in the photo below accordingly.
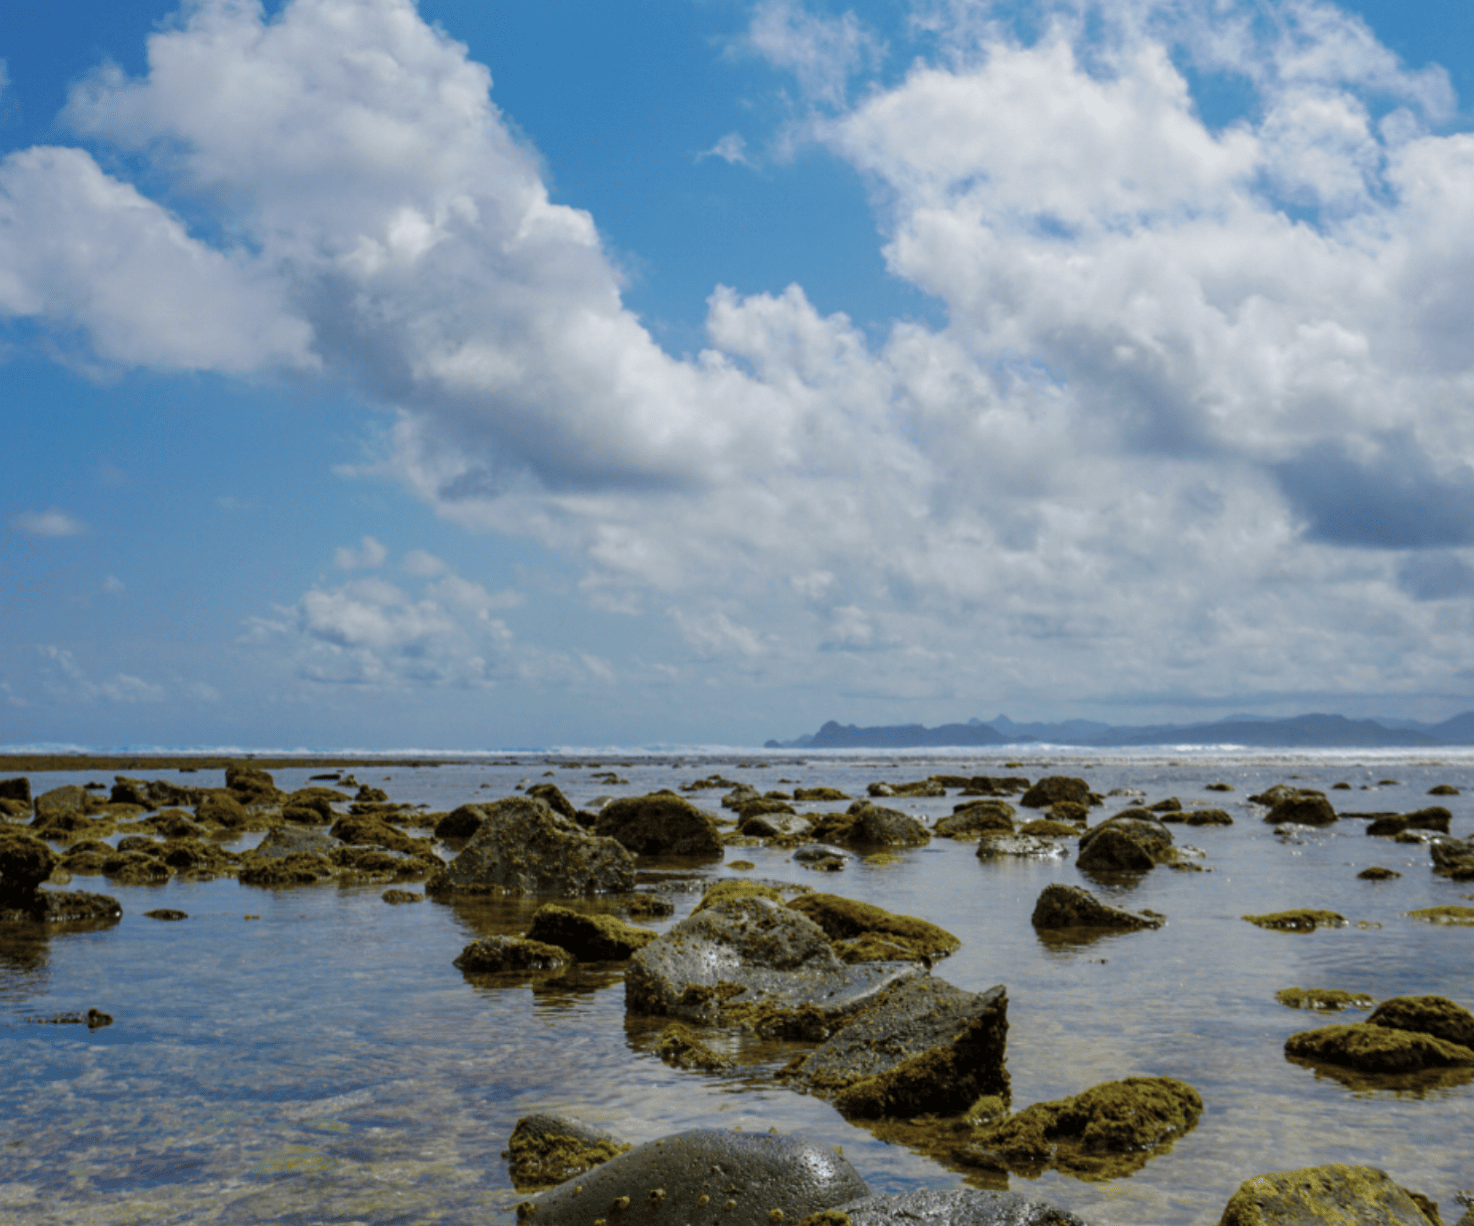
(1397, 1085)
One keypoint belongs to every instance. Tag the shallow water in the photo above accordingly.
(325, 1062)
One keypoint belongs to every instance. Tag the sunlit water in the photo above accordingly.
(325, 1063)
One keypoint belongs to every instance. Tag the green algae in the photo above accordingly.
(726, 891)
(1332, 1195)
(544, 1159)
(589, 938)
(863, 932)
(1301, 920)
(1446, 914)
(679, 1047)
(1329, 999)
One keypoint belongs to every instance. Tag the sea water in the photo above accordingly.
(325, 1062)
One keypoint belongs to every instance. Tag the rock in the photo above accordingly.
(752, 961)
(85, 857)
(1025, 846)
(705, 1175)
(1170, 805)
(396, 897)
(222, 809)
(165, 913)
(1053, 789)
(1303, 808)
(523, 847)
(949, 1207)
(374, 831)
(1378, 873)
(134, 868)
(1132, 841)
(16, 789)
(545, 1149)
(92, 1019)
(1304, 919)
(1068, 812)
(976, 818)
(296, 868)
(647, 906)
(1435, 818)
(498, 955)
(1071, 906)
(289, 841)
(151, 793)
(1200, 817)
(1443, 789)
(865, 933)
(1330, 999)
(375, 862)
(251, 784)
(1109, 1130)
(368, 795)
(1044, 828)
(813, 794)
(926, 1047)
(460, 823)
(60, 907)
(772, 825)
(589, 938)
(1435, 1015)
(880, 789)
(552, 796)
(53, 808)
(1443, 915)
(1376, 1049)
(680, 1048)
(816, 852)
(660, 824)
(742, 794)
(197, 859)
(920, 787)
(760, 807)
(1353, 1195)
(731, 887)
(1219, 787)
(25, 862)
(1453, 858)
(875, 826)
(174, 824)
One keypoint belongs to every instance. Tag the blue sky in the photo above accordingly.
(496, 374)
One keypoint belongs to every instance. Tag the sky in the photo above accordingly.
(548, 372)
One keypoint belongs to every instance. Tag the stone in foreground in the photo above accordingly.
(928, 1047)
(524, 847)
(705, 1175)
(949, 1207)
(1072, 906)
(1435, 1015)
(1343, 1195)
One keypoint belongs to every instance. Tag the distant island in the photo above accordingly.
(1294, 732)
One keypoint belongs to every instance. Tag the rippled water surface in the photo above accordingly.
(325, 1062)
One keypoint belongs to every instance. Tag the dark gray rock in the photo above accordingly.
(735, 960)
(660, 824)
(926, 1047)
(289, 840)
(16, 789)
(956, 1207)
(1304, 808)
(461, 823)
(772, 825)
(880, 827)
(1053, 789)
(523, 847)
(706, 1175)
(1453, 858)
(976, 818)
(1131, 842)
(820, 851)
(742, 794)
(61, 907)
(1072, 906)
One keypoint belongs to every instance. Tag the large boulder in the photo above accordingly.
(926, 1048)
(752, 961)
(1435, 1015)
(660, 824)
(1109, 1130)
(706, 1175)
(552, 796)
(589, 938)
(950, 1207)
(1132, 841)
(523, 847)
(1053, 789)
(862, 932)
(1072, 906)
(1303, 807)
(25, 862)
(1353, 1195)
(1377, 1049)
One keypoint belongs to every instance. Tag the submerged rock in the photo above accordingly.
(1109, 1130)
(946, 1207)
(1354, 1195)
(752, 961)
(679, 1047)
(398, 897)
(165, 913)
(1378, 873)
(589, 938)
(1329, 999)
(1304, 919)
(1376, 1049)
(523, 847)
(705, 1175)
(1072, 906)
(1435, 1015)
(498, 954)
(546, 1149)
(926, 1047)
(862, 932)
(1132, 841)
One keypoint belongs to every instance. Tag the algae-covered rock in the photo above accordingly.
(589, 938)
(1453, 858)
(546, 1149)
(745, 960)
(679, 1047)
(901, 937)
(924, 1047)
(1200, 817)
(976, 818)
(1448, 913)
(174, 824)
(552, 796)
(813, 794)
(876, 826)
(1376, 1049)
(1304, 919)
(1331, 1000)
(1132, 841)
(946, 1207)
(61, 803)
(1443, 789)
(198, 859)
(1046, 828)
(1072, 906)
(374, 831)
(708, 1176)
(251, 784)
(296, 868)
(1378, 873)
(18, 788)
(60, 907)
(399, 897)
(1054, 788)
(1019, 846)
(25, 862)
(1336, 1195)
(660, 824)
(730, 888)
(647, 906)
(1108, 1131)
(523, 847)
(134, 868)
(460, 823)
(222, 809)
(85, 857)
(286, 841)
(773, 826)
(1435, 1015)
(1303, 808)
(1389, 825)
(500, 954)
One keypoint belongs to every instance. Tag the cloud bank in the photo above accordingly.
(1197, 422)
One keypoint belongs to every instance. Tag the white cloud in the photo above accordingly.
(423, 565)
(47, 523)
(369, 555)
(113, 586)
(65, 678)
(821, 52)
(732, 149)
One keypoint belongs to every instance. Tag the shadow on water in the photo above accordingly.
(1397, 1085)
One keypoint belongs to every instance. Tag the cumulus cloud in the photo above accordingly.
(1199, 400)
(51, 522)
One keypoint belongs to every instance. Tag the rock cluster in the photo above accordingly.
(26, 862)
(1407, 1034)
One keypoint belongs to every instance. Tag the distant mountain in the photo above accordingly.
(1314, 731)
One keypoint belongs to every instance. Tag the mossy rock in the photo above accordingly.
(589, 938)
(881, 858)
(1332, 1195)
(845, 922)
(1435, 1015)
(1054, 788)
(818, 794)
(1131, 841)
(725, 891)
(376, 863)
(174, 824)
(1170, 805)
(552, 796)
(1368, 1048)
(679, 1047)
(546, 1150)
(374, 831)
(977, 818)
(1331, 1000)
(1303, 808)
(1302, 920)
(134, 868)
(660, 823)
(1443, 789)
(198, 858)
(400, 897)
(648, 906)
(1446, 914)
(1201, 817)
(222, 809)
(1219, 787)
(1044, 828)
(298, 868)
(501, 955)
(1108, 1131)
(1378, 873)
(1065, 907)
(25, 862)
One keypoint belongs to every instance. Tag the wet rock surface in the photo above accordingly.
(1331, 1000)
(61, 907)
(862, 932)
(661, 823)
(706, 1175)
(680, 1047)
(1377, 1049)
(927, 1046)
(1334, 1194)
(976, 818)
(949, 1207)
(1073, 906)
(1053, 789)
(545, 1149)
(1435, 1015)
(1303, 919)
(589, 938)
(1453, 858)
(1303, 807)
(497, 955)
(1019, 846)
(1133, 841)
